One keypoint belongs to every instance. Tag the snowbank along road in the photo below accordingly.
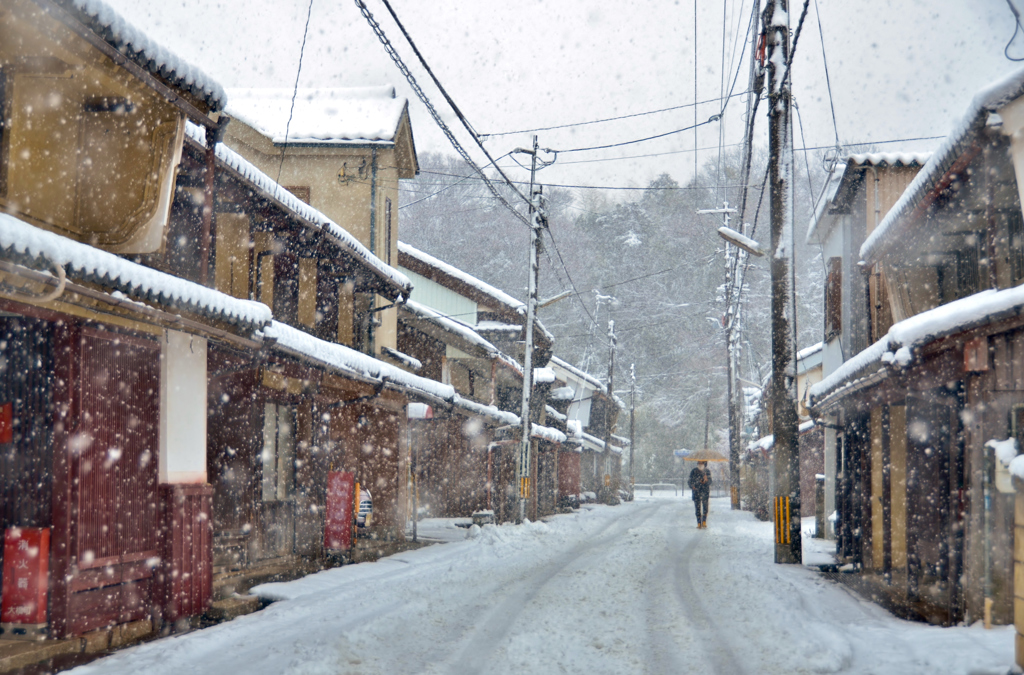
(628, 589)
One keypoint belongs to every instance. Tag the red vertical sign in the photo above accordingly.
(338, 520)
(7, 423)
(26, 567)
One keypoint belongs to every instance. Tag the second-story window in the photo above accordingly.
(278, 457)
(834, 298)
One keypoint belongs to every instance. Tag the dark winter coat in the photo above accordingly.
(700, 482)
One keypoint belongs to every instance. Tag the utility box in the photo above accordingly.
(26, 573)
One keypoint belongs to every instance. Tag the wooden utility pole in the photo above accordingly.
(632, 425)
(524, 472)
(611, 395)
(732, 307)
(786, 465)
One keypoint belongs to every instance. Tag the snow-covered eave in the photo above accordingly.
(900, 347)
(332, 142)
(339, 236)
(468, 339)
(133, 44)
(938, 170)
(26, 244)
(455, 274)
(354, 364)
(573, 370)
(592, 442)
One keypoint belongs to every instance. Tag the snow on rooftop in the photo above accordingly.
(348, 360)
(890, 158)
(341, 236)
(466, 278)
(987, 100)
(809, 351)
(562, 394)
(543, 375)
(896, 348)
(573, 370)
(837, 176)
(87, 263)
(158, 60)
(321, 116)
(463, 331)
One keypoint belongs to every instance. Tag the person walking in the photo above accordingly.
(700, 490)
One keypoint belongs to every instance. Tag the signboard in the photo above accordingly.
(26, 567)
(339, 517)
(7, 423)
(607, 480)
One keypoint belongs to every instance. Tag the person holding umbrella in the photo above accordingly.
(700, 490)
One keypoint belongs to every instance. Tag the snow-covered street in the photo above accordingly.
(627, 589)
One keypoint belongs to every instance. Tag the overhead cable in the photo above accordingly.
(606, 119)
(404, 69)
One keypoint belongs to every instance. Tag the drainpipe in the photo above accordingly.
(373, 241)
(987, 492)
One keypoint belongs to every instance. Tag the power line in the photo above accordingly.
(295, 91)
(451, 185)
(713, 118)
(828, 82)
(404, 69)
(651, 154)
(895, 140)
(606, 119)
(594, 187)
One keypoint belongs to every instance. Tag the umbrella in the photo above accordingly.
(705, 455)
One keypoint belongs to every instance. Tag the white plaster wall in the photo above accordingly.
(182, 408)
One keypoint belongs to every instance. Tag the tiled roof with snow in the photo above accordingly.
(340, 116)
(963, 135)
(463, 331)
(347, 361)
(268, 185)
(501, 297)
(573, 370)
(157, 60)
(498, 295)
(890, 158)
(32, 245)
(809, 351)
(856, 161)
(897, 348)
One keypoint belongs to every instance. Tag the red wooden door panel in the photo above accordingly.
(114, 476)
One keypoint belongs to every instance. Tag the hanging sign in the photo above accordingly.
(339, 515)
(26, 567)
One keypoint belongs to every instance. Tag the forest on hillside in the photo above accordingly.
(643, 258)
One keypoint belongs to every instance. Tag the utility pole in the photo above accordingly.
(786, 465)
(611, 394)
(524, 471)
(732, 293)
(632, 425)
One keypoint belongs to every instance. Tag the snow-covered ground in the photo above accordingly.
(627, 589)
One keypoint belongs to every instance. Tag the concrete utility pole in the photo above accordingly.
(732, 293)
(788, 546)
(524, 471)
(632, 425)
(611, 394)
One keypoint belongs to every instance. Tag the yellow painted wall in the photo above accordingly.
(99, 176)
(898, 483)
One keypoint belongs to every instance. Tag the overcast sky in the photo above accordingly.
(899, 69)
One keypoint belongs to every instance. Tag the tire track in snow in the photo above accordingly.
(482, 642)
(710, 636)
